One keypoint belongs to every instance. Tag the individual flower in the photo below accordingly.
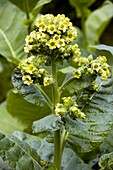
(51, 44)
(51, 29)
(60, 109)
(60, 43)
(68, 101)
(41, 59)
(42, 27)
(78, 73)
(83, 61)
(95, 66)
(105, 74)
(63, 26)
(30, 69)
(42, 71)
(47, 81)
(102, 59)
(90, 58)
(75, 112)
(27, 79)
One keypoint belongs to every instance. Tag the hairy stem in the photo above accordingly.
(57, 134)
(27, 14)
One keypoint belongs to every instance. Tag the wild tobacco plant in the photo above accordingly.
(48, 45)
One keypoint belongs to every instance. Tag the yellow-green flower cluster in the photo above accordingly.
(53, 34)
(97, 66)
(32, 71)
(69, 107)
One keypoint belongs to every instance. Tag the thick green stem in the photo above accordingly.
(57, 134)
(27, 14)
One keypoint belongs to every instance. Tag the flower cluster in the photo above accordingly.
(53, 35)
(89, 66)
(32, 71)
(70, 107)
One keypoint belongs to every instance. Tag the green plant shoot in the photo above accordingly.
(49, 45)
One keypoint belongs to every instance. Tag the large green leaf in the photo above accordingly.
(8, 124)
(70, 159)
(39, 6)
(12, 32)
(3, 165)
(76, 85)
(107, 145)
(29, 93)
(40, 145)
(104, 47)
(97, 22)
(25, 112)
(87, 134)
(106, 161)
(18, 154)
(5, 76)
(48, 123)
(81, 6)
(25, 4)
(30, 5)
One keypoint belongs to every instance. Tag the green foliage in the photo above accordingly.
(81, 6)
(71, 161)
(7, 122)
(97, 22)
(5, 75)
(11, 32)
(30, 6)
(18, 154)
(33, 105)
(104, 47)
(106, 162)
(29, 93)
(48, 123)
(77, 85)
(24, 111)
(87, 134)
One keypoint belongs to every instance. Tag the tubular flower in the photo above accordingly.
(32, 71)
(70, 107)
(27, 79)
(52, 34)
(89, 66)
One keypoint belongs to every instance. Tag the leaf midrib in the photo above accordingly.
(8, 43)
(21, 148)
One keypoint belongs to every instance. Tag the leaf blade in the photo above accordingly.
(16, 152)
(87, 134)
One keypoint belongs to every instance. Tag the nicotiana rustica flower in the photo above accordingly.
(69, 107)
(32, 71)
(89, 66)
(27, 79)
(53, 34)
